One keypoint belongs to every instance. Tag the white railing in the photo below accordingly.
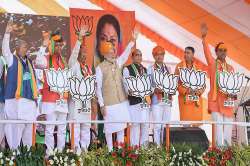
(167, 123)
(103, 121)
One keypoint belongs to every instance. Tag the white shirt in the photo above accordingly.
(125, 74)
(75, 68)
(40, 61)
(74, 65)
(150, 72)
(120, 62)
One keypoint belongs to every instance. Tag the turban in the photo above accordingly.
(157, 50)
(220, 45)
(54, 37)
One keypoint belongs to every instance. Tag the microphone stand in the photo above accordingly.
(240, 104)
(242, 97)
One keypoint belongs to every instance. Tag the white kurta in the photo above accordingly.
(117, 112)
(2, 116)
(19, 109)
(136, 112)
(139, 132)
(150, 71)
(22, 108)
(74, 105)
(160, 110)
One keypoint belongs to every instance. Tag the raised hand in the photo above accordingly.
(9, 27)
(46, 38)
(204, 30)
(83, 30)
(135, 34)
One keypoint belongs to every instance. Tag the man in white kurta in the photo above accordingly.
(22, 107)
(111, 95)
(139, 132)
(54, 106)
(80, 70)
(161, 111)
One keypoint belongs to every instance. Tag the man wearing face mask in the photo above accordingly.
(160, 110)
(20, 90)
(216, 98)
(108, 28)
(189, 110)
(77, 64)
(110, 91)
(55, 60)
(139, 132)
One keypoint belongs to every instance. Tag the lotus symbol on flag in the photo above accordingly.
(140, 86)
(82, 89)
(193, 79)
(166, 82)
(79, 21)
(58, 80)
(230, 83)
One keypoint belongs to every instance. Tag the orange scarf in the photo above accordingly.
(192, 67)
(224, 68)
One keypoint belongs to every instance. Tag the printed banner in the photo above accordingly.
(102, 25)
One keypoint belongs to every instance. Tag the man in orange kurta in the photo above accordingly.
(189, 110)
(216, 98)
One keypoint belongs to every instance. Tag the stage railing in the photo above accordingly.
(167, 123)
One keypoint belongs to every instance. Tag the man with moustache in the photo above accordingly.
(216, 98)
(139, 132)
(110, 91)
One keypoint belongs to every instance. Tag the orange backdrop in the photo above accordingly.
(126, 20)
